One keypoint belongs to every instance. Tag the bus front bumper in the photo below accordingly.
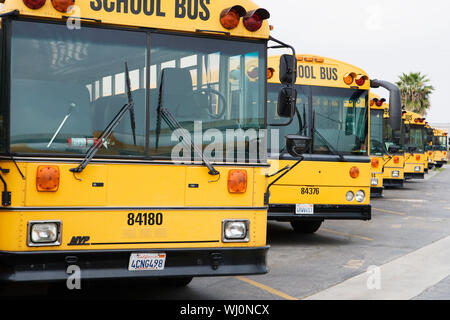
(418, 175)
(103, 265)
(393, 183)
(376, 192)
(286, 212)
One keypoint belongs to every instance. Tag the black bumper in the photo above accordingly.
(103, 265)
(286, 212)
(393, 183)
(409, 175)
(376, 192)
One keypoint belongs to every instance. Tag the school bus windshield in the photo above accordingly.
(336, 116)
(376, 133)
(440, 143)
(68, 85)
(415, 137)
(388, 137)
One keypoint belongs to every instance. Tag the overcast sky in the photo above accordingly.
(383, 37)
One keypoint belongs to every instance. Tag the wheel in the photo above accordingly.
(306, 226)
(176, 282)
(439, 165)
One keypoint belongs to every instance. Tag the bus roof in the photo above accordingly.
(321, 71)
(410, 117)
(186, 16)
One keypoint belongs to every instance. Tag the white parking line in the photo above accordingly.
(401, 279)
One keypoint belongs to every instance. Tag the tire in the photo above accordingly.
(438, 165)
(306, 226)
(176, 282)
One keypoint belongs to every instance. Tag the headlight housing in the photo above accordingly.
(360, 196)
(417, 169)
(395, 173)
(44, 233)
(235, 230)
(374, 181)
(349, 196)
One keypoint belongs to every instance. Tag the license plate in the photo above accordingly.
(304, 208)
(147, 261)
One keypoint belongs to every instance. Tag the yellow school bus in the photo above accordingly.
(394, 159)
(429, 161)
(377, 149)
(331, 177)
(440, 147)
(106, 109)
(414, 140)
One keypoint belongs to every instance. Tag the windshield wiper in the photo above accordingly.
(329, 145)
(110, 128)
(69, 113)
(174, 125)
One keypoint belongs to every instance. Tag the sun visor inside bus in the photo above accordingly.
(39, 106)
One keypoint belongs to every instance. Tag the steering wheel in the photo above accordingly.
(206, 103)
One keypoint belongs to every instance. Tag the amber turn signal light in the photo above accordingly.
(396, 160)
(230, 17)
(417, 157)
(354, 172)
(47, 178)
(63, 5)
(237, 181)
(375, 162)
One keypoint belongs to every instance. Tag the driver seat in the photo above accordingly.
(177, 94)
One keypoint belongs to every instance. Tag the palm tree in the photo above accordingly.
(415, 92)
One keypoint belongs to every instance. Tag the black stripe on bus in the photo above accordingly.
(154, 242)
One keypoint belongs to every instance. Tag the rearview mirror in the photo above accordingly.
(287, 100)
(412, 149)
(297, 145)
(394, 149)
(288, 69)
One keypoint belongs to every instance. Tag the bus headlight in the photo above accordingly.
(417, 169)
(349, 196)
(360, 196)
(374, 181)
(395, 174)
(44, 233)
(235, 230)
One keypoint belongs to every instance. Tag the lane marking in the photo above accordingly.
(389, 211)
(346, 234)
(409, 200)
(401, 279)
(266, 288)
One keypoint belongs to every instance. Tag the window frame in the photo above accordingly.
(5, 81)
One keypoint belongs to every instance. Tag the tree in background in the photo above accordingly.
(415, 92)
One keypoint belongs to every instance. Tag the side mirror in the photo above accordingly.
(394, 149)
(297, 145)
(395, 101)
(287, 100)
(288, 69)
(412, 149)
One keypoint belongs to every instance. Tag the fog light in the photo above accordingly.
(43, 233)
(374, 181)
(417, 169)
(360, 196)
(235, 231)
(350, 196)
(395, 173)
